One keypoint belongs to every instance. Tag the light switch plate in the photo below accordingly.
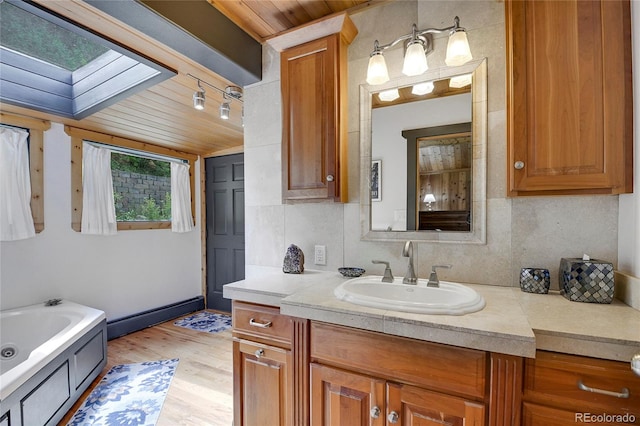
(320, 255)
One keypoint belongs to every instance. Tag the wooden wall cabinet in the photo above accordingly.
(270, 367)
(365, 378)
(552, 393)
(569, 97)
(314, 106)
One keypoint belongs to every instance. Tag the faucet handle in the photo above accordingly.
(388, 276)
(445, 266)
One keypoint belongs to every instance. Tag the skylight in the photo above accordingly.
(50, 64)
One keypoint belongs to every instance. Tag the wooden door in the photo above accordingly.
(418, 407)
(225, 226)
(569, 97)
(308, 79)
(263, 383)
(341, 398)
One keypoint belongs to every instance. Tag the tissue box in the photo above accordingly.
(586, 280)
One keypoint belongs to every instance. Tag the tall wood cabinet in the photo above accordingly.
(314, 106)
(569, 97)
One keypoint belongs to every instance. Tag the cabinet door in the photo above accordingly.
(309, 96)
(538, 415)
(262, 384)
(340, 398)
(411, 406)
(569, 97)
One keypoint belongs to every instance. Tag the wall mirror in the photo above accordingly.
(423, 175)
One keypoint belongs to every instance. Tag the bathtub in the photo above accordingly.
(46, 350)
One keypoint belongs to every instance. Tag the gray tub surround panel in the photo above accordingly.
(47, 396)
(512, 322)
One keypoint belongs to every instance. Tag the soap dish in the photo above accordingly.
(351, 272)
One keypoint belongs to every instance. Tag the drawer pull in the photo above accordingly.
(623, 394)
(255, 323)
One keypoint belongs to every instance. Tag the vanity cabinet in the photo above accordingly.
(562, 389)
(365, 378)
(569, 97)
(314, 109)
(270, 367)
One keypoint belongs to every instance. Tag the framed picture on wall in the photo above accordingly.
(376, 173)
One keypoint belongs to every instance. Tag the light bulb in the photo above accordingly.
(458, 51)
(423, 88)
(389, 95)
(415, 60)
(377, 71)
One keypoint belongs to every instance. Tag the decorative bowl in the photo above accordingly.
(351, 272)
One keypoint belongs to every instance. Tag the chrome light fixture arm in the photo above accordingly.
(417, 34)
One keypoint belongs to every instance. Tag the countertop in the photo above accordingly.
(512, 322)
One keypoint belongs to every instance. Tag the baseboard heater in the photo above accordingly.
(142, 320)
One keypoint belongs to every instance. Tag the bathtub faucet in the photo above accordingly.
(53, 302)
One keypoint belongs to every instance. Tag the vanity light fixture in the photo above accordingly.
(419, 43)
(198, 98)
(422, 88)
(460, 81)
(389, 95)
(429, 198)
(229, 94)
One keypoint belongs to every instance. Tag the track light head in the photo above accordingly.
(225, 109)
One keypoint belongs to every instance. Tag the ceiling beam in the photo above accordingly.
(195, 29)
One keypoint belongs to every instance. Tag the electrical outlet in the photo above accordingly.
(320, 255)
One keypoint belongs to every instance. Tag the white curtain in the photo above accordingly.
(181, 220)
(16, 221)
(98, 208)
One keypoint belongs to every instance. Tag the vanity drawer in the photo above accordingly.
(260, 321)
(454, 370)
(555, 379)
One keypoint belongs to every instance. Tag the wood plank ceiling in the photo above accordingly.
(163, 114)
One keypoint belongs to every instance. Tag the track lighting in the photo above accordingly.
(198, 98)
(225, 109)
(419, 45)
(229, 94)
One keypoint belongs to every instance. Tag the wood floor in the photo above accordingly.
(201, 392)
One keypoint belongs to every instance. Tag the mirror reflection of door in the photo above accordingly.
(444, 183)
(439, 178)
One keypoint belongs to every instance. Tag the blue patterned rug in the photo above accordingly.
(129, 395)
(205, 321)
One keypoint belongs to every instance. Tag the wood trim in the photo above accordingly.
(36, 161)
(505, 399)
(77, 137)
(227, 151)
(300, 349)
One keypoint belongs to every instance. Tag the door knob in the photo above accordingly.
(393, 417)
(375, 412)
(330, 178)
(519, 165)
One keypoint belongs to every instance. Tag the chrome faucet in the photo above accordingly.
(410, 276)
(388, 276)
(433, 278)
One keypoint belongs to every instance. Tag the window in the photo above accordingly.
(141, 179)
(36, 130)
(50, 64)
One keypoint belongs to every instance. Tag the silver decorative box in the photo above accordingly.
(590, 281)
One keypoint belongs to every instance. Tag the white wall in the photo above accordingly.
(387, 144)
(521, 232)
(123, 274)
(629, 229)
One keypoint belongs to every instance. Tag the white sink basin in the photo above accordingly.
(448, 299)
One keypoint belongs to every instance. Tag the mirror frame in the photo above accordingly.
(478, 233)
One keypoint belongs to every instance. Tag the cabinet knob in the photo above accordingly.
(330, 178)
(519, 165)
(375, 412)
(259, 353)
(393, 417)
